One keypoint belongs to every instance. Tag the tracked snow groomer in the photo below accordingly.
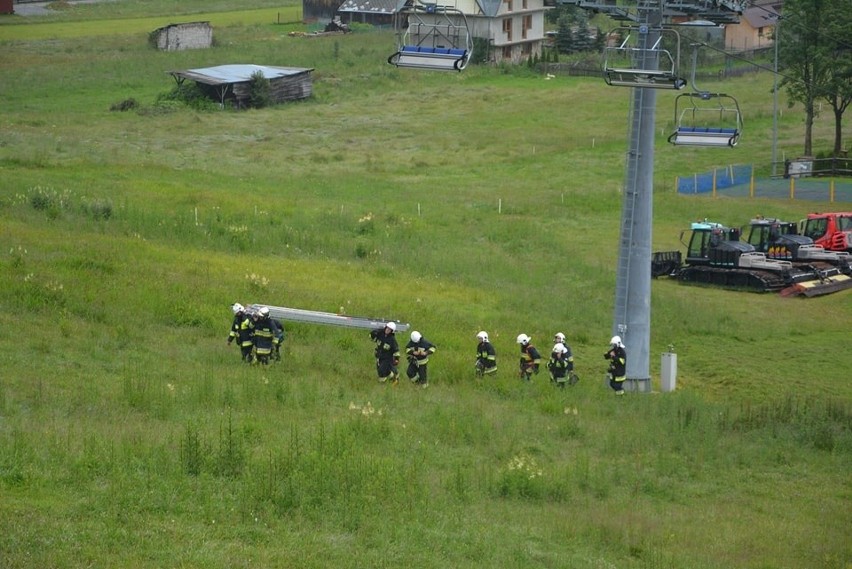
(781, 240)
(831, 230)
(716, 256)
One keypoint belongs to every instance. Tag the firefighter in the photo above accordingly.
(486, 356)
(530, 358)
(617, 371)
(264, 335)
(418, 351)
(558, 365)
(239, 315)
(278, 335)
(559, 338)
(387, 353)
(242, 332)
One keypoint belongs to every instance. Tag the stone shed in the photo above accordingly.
(175, 37)
(233, 82)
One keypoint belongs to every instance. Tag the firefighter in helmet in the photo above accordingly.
(486, 356)
(617, 371)
(530, 360)
(264, 335)
(241, 331)
(387, 352)
(558, 365)
(418, 351)
(572, 378)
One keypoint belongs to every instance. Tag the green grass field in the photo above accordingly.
(131, 435)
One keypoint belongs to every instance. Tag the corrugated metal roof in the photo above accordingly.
(759, 17)
(236, 73)
(183, 24)
(372, 6)
(469, 7)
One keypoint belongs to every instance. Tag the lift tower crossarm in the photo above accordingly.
(715, 11)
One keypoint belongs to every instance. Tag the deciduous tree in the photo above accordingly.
(805, 53)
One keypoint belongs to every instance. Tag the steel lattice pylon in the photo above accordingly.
(648, 19)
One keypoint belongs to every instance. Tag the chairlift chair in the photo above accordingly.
(704, 118)
(626, 65)
(437, 37)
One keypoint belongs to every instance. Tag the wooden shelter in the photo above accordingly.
(233, 82)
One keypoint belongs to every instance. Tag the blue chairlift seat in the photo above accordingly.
(704, 136)
(426, 57)
(437, 37)
(708, 119)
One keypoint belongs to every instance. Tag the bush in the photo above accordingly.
(188, 94)
(125, 105)
(49, 200)
(259, 96)
(98, 209)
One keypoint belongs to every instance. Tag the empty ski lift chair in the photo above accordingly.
(704, 118)
(437, 37)
(650, 67)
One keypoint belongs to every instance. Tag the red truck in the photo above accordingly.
(831, 230)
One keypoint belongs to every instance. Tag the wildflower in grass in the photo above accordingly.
(17, 253)
(522, 477)
(526, 466)
(257, 282)
(49, 199)
(366, 410)
(366, 225)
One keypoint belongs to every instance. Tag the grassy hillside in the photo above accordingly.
(131, 435)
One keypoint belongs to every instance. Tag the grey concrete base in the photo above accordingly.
(637, 385)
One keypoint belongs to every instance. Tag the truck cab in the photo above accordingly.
(831, 230)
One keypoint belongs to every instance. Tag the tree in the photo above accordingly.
(806, 54)
(839, 89)
(564, 37)
(259, 96)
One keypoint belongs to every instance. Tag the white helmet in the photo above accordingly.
(616, 341)
(264, 311)
(482, 336)
(237, 308)
(559, 337)
(391, 326)
(416, 336)
(523, 339)
(559, 348)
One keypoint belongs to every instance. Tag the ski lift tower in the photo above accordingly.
(646, 63)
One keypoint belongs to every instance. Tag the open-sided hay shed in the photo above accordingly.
(232, 82)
